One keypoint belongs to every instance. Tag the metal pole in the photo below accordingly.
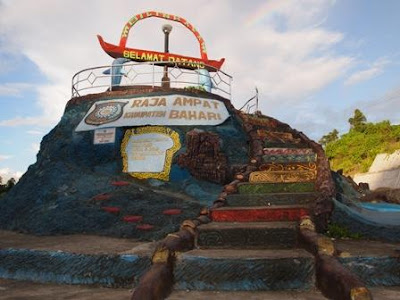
(165, 81)
(153, 75)
(256, 99)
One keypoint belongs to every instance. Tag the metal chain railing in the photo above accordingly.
(102, 78)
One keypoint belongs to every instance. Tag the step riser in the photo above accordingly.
(268, 144)
(265, 188)
(71, 268)
(247, 238)
(237, 200)
(290, 158)
(375, 270)
(258, 215)
(202, 273)
(282, 176)
(287, 151)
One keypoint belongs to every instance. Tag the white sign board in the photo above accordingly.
(157, 110)
(104, 136)
(147, 152)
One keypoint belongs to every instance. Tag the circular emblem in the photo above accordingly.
(105, 113)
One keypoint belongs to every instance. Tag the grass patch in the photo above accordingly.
(339, 232)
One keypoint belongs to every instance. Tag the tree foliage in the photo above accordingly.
(4, 188)
(357, 122)
(329, 138)
(355, 151)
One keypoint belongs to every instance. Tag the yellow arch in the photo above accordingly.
(149, 14)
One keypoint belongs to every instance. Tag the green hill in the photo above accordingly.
(355, 151)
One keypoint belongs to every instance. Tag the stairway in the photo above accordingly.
(251, 243)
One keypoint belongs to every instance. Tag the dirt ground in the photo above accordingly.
(19, 290)
(76, 243)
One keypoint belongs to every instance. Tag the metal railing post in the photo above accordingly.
(111, 77)
(230, 87)
(153, 75)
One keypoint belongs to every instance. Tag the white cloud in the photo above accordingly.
(5, 64)
(23, 121)
(293, 14)
(52, 102)
(285, 64)
(35, 147)
(383, 107)
(280, 46)
(7, 173)
(14, 89)
(313, 119)
(4, 157)
(374, 70)
(35, 132)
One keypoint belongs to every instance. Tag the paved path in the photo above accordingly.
(75, 243)
(19, 290)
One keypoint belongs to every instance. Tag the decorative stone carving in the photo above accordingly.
(282, 137)
(283, 176)
(203, 157)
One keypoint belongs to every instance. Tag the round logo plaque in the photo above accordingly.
(105, 113)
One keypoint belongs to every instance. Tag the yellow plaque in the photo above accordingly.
(147, 152)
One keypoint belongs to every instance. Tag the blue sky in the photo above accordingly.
(313, 61)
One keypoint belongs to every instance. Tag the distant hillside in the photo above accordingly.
(355, 151)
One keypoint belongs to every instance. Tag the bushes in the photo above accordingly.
(4, 188)
(355, 151)
(339, 232)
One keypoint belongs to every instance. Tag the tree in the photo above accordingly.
(10, 183)
(329, 138)
(4, 188)
(358, 121)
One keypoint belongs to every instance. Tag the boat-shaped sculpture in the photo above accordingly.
(185, 62)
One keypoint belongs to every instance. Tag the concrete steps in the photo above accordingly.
(248, 235)
(235, 200)
(265, 188)
(250, 245)
(259, 214)
(246, 270)
(74, 259)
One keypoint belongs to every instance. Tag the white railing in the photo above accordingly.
(94, 80)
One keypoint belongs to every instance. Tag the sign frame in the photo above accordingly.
(98, 141)
(163, 110)
(169, 153)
